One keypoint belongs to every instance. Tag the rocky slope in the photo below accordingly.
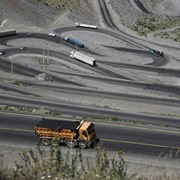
(42, 13)
(26, 13)
(163, 7)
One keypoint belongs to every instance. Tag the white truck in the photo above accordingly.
(82, 57)
(85, 25)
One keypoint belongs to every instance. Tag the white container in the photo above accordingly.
(82, 57)
(85, 25)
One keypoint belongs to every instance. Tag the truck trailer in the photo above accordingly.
(82, 57)
(85, 25)
(71, 133)
(74, 41)
(8, 33)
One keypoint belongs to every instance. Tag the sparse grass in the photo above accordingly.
(153, 23)
(61, 4)
(24, 109)
(173, 35)
(56, 114)
(99, 118)
(154, 2)
(115, 119)
(17, 83)
(45, 61)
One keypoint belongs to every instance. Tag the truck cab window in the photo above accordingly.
(84, 133)
(91, 129)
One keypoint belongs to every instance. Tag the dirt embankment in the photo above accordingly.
(42, 13)
(27, 13)
(163, 7)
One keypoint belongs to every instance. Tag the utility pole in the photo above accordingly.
(27, 58)
(43, 54)
(12, 64)
(47, 53)
(94, 40)
(61, 39)
(108, 36)
(47, 56)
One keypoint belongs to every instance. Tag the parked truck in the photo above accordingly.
(8, 33)
(74, 41)
(155, 52)
(82, 57)
(85, 25)
(72, 133)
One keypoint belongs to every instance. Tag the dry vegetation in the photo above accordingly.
(54, 165)
(171, 34)
(153, 23)
(61, 5)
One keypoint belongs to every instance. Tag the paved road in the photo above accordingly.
(19, 129)
(79, 110)
(141, 6)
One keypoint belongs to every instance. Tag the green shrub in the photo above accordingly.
(115, 119)
(153, 23)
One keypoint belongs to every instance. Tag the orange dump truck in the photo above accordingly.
(72, 133)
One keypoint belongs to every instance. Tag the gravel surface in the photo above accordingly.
(128, 14)
(26, 13)
(163, 7)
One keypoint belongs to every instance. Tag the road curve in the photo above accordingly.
(108, 20)
(141, 6)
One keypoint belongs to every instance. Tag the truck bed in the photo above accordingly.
(58, 125)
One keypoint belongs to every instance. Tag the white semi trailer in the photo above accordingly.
(84, 58)
(85, 25)
(7, 33)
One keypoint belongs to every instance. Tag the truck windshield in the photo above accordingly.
(90, 129)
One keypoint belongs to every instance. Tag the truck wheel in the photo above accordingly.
(92, 145)
(70, 144)
(55, 142)
(46, 142)
(82, 145)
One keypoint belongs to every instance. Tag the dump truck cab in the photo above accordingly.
(87, 135)
(87, 131)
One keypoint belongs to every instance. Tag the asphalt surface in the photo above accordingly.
(141, 6)
(20, 129)
(80, 110)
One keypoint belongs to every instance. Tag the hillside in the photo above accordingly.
(163, 7)
(42, 13)
(23, 14)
